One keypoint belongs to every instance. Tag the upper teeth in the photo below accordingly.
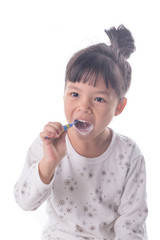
(81, 121)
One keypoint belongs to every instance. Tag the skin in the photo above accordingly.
(96, 105)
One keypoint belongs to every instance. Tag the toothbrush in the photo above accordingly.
(69, 125)
(66, 127)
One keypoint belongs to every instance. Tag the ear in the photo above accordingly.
(120, 106)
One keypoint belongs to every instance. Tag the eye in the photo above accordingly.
(74, 94)
(99, 99)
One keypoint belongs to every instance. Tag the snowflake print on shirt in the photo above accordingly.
(70, 184)
(101, 198)
(66, 206)
(89, 210)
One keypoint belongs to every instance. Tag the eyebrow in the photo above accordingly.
(103, 92)
(73, 87)
(96, 92)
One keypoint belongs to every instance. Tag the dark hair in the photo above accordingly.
(106, 61)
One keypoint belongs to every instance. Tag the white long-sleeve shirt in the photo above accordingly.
(102, 198)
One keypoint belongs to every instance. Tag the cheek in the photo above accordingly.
(107, 115)
(67, 110)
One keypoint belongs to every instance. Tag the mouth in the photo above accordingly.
(83, 127)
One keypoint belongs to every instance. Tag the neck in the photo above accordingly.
(92, 148)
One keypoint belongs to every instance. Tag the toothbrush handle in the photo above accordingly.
(67, 126)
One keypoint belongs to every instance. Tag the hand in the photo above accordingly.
(54, 146)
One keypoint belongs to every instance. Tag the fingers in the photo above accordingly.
(52, 130)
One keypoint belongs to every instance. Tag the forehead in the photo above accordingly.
(90, 78)
(100, 86)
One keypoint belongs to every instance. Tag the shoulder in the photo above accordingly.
(37, 145)
(127, 145)
(35, 152)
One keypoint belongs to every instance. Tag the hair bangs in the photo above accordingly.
(88, 67)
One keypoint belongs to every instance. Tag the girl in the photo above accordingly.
(92, 177)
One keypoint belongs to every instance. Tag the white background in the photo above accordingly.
(37, 38)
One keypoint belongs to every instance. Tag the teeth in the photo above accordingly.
(81, 121)
(83, 127)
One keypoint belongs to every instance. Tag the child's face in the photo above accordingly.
(93, 106)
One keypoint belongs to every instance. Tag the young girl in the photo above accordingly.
(92, 177)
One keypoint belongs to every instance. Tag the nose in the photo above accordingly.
(84, 106)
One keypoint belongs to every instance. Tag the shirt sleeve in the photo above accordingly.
(133, 207)
(29, 191)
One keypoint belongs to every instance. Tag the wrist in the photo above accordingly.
(46, 173)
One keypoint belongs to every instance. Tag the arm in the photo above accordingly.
(30, 192)
(133, 208)
(35, 183)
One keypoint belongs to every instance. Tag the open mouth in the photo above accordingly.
(83, 127)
